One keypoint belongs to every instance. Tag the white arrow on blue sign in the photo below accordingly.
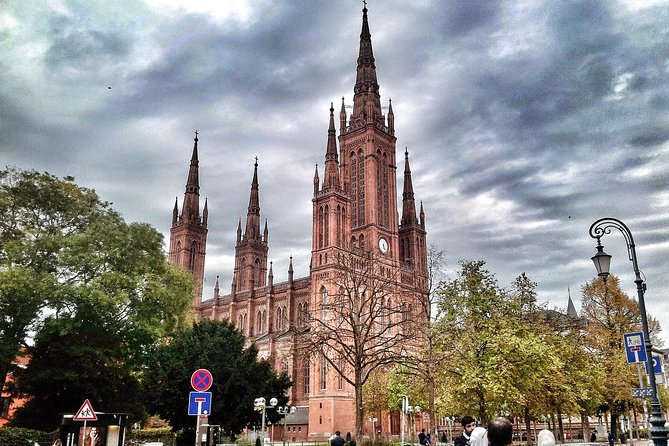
(634, 347)
(199, 403)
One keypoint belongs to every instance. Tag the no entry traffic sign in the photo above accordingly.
(201, 380)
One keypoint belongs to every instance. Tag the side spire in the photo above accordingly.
(408, 201)
(331, 179)
(191, 205)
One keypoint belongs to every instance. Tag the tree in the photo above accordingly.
(362, 324)
(423, 364)
(495, 357)
(66, 254)
(239, 378)
(610, 314)
(72, 361)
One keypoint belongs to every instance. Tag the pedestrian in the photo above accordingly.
(57, 442)
(612, 438)
(337, 440)
(428, 439)
(479, 437)
(421, 437)
(500, 432)
(468, 425)
(593, 436)
(545, 438)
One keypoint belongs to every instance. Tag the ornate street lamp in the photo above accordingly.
(285, 410)
(602, 262)
(259, 405)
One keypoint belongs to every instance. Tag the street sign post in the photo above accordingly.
(634, 347)
(199, 404)
(85, 413)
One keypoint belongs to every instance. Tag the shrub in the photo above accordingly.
(17, 436)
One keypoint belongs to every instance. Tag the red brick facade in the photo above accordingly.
(355, 204)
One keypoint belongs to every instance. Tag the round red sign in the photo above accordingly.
(201, 380)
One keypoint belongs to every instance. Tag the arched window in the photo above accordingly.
(326, 230)
(256, 273)
(279, 319)
(299, 314)
(362, 241)
(324, 372)
(307, 377)
(320, 227)
(361, 189)
(354, 190)
(263, 320)
(178, 254)
(284, 366)
(192, 256)
(324, 302)
(341, 296)
(340, 378)
(385, 221)
(259, 323)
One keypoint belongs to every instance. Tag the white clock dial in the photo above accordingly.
(383, 245)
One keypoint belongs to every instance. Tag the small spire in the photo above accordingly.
(331, 175)
(391, 117)
(239, 231)
(422, 215)
(270, 275)
(205, 212)
(216, 288)
(266, 233)
(290, 270)
(408, 201)
(342, 116)
(571, 309)
(316, 181)
(253, 216)
(175, 211)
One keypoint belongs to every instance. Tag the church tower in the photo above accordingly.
(252, 246)
(412, 247)
(368, 165)
(330, 207)
(188, 234)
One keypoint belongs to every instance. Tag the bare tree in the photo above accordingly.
(365, 320)
(422, 363)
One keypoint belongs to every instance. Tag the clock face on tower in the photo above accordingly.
(383, 245)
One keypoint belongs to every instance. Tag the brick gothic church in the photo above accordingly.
(355, 203)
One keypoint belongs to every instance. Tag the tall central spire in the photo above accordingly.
(366, 99)
(331, 179)
(191, 208)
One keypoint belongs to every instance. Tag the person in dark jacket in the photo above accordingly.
(468, 425)
(337, 440)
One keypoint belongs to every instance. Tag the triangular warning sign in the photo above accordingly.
(85, 412)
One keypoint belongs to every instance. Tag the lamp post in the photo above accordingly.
(285, 410)
(410, 411)
(602, 262)
(260, 406)
(373, 420)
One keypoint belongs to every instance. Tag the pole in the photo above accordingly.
(645, 404)
(603, 226)
(402, 428)
(263, 426)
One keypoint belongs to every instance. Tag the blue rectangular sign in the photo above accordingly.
(199, 403)
(635, 347)
(657, 365)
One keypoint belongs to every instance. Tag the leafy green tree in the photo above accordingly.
(71, 361)
(496, 356)
(611, 313)
(67, 254)
(239, 378)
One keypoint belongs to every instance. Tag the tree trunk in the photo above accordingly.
(433, 423)
(560, 425)
(359, 413)
(528, 425)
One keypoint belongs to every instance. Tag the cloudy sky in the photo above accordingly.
(525, 121)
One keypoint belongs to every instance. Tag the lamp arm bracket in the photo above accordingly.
(604, 226)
